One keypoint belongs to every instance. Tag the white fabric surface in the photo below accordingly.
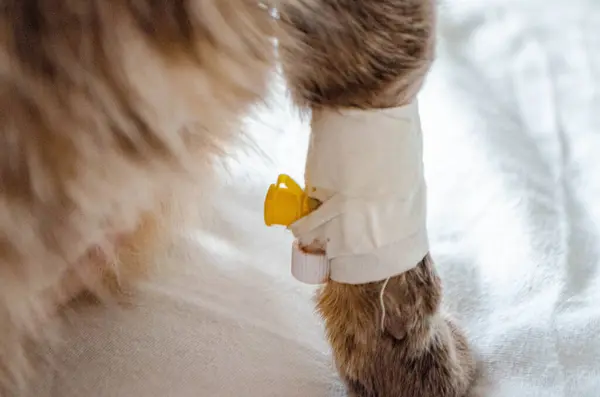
(512, 154)
(366, 167)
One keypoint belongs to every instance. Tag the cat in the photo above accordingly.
(111, 116)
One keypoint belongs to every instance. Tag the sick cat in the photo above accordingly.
(111, 113)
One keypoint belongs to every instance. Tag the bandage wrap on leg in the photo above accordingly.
(366, 167)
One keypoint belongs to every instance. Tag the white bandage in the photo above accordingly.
(367, 169)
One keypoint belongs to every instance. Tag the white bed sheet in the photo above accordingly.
(511, 117)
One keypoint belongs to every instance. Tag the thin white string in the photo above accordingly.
(382, 303)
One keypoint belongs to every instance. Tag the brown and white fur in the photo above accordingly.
(111, 113)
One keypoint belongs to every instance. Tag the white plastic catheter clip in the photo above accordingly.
(309, 267)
